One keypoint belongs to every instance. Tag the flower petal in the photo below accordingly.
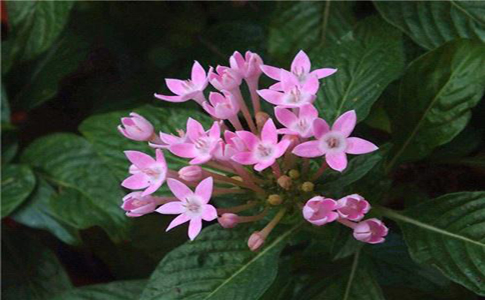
(194, 129)
(177, 221)
(195, 226)
(180, 190)
(271, 96)
(359, 146)
(271, 72)
(204, 189)
(140, 159)
(345, 123)
(308, 111)
(336, 161)
(308, 149)
(244, 158)
(210, 213)
(171, 208)
(263, 165)
(268, 133)
(301, 63)
(185, 150)
(320, 127)
(176, 86)
(285, 116)
(322, 73)
(153, 187)
(249, 139)
(136, 182)
(175, 99)
(198, 76)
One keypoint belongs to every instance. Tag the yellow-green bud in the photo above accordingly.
(285, 182)
(275, 199)
(307, 186)
(294, 174)
(237, 178)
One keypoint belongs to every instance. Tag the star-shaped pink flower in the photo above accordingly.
(146, 172)
(301, 125)
(193, 207)
(335, 142)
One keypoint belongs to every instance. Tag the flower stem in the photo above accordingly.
(253, 87)
(236, 123)
(271, 225)
(346, 223)
(236, 209)
(224, 191)
(320, 171)
(223, 178)
(244, 108)
(247, 219)
(220, 167)
(276, 169)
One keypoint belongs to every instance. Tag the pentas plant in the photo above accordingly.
(244, 151)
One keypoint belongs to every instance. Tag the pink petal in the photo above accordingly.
(175, 99)
(281, 147)
(320, 127)
(160, 158)
(185, 150)
(153, 187)
(271, 72)
(236, 61)
(215, 131)
(308, 149)
(300, 63)
(263, 165)
(177, 221)
(168, 138)
(337, 161)
(248, 138)
(200, 159)
(244, 158)
(359, 146)
(209, 109)
(268, 133)
(194, 129)
(140, 159)
(136, 182)
(204, 189)
(210, 213)
(271, 96)
(345, 123)
(195, 226)
(322, 73)
(276, 87)
(216, 98)
(285, 116)
(180, 190)
(198, 75)
(308, 111)
(288, 80)
(177, 86)
(171, 208)
(311, 85)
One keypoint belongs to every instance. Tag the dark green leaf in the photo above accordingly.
(18, 181)
(90, 195)
(306, 25)
(117, 290)
(448, 233)
(217, 265)
(31, 271)
(436, 95)
(38, 213)
(367, 59)
(5, 108)
(432, 23)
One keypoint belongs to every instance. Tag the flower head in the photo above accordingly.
(225, 78)
(146, 172)
(320, 211)
(301, 125)
(136, 128)
(353, 207)
(222, 106)
(137, 205)
(193, 207)
(262, 152)
(335, 142)
(370, 231)
(248, 67)
(187, 89)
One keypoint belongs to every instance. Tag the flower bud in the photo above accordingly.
(228, 220)
(307, 186)
(238, 178)
(285, 182)
(256, 240)
(294, 174)
(353, 207)
(320, 211)
(191, 173)
(136, 128)
(261, 118)
(135, 205)
(370, 231)
(225, 78)
(274, 199)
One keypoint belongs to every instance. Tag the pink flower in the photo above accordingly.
(255, 241)
(232, 146)
(353, 207)
(248, 67)
(200, 144)
(191, 173)
(334, 143)
(320, 211)
(228, 220)
(261, 152)
(225, 78)
(192, 207)
(187, 89)
(137, 205)
(370, 231)
(300, 70)
(136, 128)
(221, 106)
(293, 95)
(301, 125)
(147, 172)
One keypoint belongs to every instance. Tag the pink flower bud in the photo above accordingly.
(320, 211)
(228, 220)
(135, 205)
(353, 207)
(225, 78)
(248, 67)
(256, 240)
(370, 231)
(136, 128)
(191, 173)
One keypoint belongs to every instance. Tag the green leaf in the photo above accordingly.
(18, 181)
(448, 233)
(117, 290)
(306, 25)
(34, 26)
(101, 131)
(90, 194)
(432, 23)
(62, 59)
(435, 98)
(367, 59)
(217, 265)
(5, 106)
(37, 212)
(33, 271)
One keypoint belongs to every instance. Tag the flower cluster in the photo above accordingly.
(222, 158)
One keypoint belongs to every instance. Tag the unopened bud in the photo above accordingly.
(228, 220)
(237, 178)
(136, 127)
(294, 174)
(274, 199)
(191, 173)
(261, 118)
(284, 181)
(256, 240)
(307, 186)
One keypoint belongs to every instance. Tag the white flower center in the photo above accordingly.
(203, 144)
(333, 142)
(264, 152)
(193, 206)
(188, 85)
